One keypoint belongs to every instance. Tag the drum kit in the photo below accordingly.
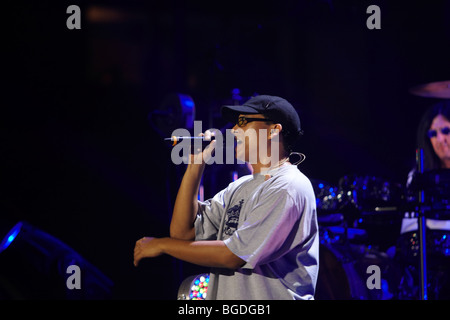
(360, 221)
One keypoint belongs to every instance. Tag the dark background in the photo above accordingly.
(80, 160)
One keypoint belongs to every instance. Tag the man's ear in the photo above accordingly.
(275, 130)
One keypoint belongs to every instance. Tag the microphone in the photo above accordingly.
(175, 140)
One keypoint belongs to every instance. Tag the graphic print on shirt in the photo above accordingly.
(232, 217)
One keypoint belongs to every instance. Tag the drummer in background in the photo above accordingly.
(433, 136)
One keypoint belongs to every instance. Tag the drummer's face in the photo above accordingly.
(441, 142)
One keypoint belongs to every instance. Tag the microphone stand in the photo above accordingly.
(422, 230)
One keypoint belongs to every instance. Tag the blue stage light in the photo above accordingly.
(10, 236)
(45, 261)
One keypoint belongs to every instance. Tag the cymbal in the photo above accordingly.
(440, 89)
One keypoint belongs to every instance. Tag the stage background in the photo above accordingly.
(81, 162)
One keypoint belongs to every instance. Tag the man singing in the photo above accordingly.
(260, 234)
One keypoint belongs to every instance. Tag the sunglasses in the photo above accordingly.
(242, 121)
(433, 133)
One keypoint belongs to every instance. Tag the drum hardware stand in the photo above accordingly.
(422, 231)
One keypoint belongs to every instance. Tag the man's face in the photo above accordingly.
(247, 136)
(440, 141)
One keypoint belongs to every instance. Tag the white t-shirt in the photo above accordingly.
(268, 220)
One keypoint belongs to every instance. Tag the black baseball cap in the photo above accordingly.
(277, 109)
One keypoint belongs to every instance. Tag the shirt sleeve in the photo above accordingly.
(208, 218)
(210, 212)
(273, 227)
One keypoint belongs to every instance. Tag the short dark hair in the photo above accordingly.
(431, 160)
